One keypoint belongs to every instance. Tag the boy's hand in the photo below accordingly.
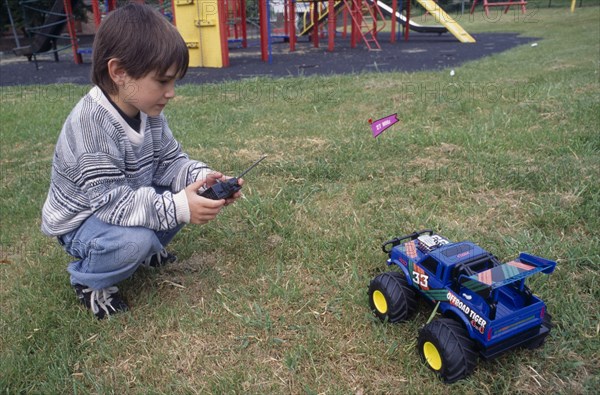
(203, 210)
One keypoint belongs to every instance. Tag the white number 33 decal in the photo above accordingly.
(422, 279)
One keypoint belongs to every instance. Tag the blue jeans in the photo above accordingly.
(109, 253)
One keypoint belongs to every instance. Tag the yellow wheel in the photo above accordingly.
(380, 302)
(391, 298)
(446, 348)
(432, 356)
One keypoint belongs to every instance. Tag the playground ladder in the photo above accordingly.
(323, 14)
(446, 20)
(507, 4)
(361, 18)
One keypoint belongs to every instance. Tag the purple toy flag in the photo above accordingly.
(380, 125)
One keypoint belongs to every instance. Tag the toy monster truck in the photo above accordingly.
(486, 305)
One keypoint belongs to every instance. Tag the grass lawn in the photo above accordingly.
(271, 298)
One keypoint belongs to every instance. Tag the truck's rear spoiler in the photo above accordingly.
(525, 266)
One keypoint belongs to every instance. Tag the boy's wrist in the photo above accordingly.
(182, 208)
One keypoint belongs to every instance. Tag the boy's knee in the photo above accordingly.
(138, 243)
(113, 255)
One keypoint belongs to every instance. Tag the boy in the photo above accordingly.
(121, 187)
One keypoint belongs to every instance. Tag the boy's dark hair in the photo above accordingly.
(142, 40)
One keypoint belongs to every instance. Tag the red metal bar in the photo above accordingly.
(230, 8)
(243, 23)
(407, 24)
(355, 27)
(97, 13)
(506, 3)
(264, 31)
(222, 10)
(374, 14)
(292, 24)
(394, 10)
(285, 20)
(232, 29)
(72, 33)
(511, 3)
(473, 6)
(234, 15)
(315, 21)
(331, 24)
(173, 13)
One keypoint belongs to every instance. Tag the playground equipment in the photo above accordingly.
(209, 26)
(507, 4)
(322, 11)
(47, 36)
(236, 22)
(365, 22)
(366, 16)
(400, 18)
(202, 24)
(379, 8)
(101, 10)
(446, 20)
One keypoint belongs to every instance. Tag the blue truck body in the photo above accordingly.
(469, 284)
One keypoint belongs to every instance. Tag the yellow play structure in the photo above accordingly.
(201, 24)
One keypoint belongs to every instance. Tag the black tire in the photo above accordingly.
(445, 347)
(539, 341)
(391, 298)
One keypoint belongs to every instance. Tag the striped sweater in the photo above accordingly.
(103, 167)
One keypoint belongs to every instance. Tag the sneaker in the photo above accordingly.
(103, 302)
(159, 259)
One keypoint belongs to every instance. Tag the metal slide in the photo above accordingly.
(442, 17)
(412, 25)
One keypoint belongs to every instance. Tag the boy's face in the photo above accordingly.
(149, 94)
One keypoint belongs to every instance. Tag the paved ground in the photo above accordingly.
(421, 52)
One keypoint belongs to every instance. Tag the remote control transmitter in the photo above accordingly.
(226, 189)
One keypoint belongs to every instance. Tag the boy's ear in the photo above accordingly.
(116, 71)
